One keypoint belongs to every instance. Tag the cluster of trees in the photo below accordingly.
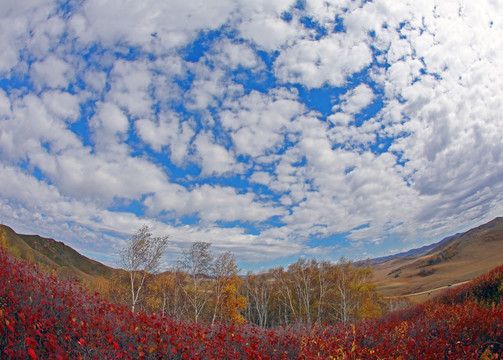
(310, 291)
(201, 287)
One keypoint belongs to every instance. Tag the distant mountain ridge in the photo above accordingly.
(413, 252)
(53, 255)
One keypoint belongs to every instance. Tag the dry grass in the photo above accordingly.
(461, 259)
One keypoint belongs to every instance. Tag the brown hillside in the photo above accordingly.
(459, 259)
(53, 255)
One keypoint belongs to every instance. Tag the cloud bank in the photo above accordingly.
(271, 129)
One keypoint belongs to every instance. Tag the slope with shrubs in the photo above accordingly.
(54, 255)
(43, 317)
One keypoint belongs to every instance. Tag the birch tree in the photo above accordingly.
(258, 290)
(141, 257)
(228, 302)
(355, 295)
(196, 262)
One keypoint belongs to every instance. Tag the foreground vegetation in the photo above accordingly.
(43, 317)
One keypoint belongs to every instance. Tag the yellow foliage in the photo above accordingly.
(3, 242)
(228, 301)
(232, 302)
(488, 355)
(370, 309)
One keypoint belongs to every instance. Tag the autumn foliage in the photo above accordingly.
(42, 317)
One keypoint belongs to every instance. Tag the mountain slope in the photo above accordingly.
(453, 260)
(53, 254)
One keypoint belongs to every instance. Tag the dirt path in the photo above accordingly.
(429, 291)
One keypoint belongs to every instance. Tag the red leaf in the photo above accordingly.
(32, 354)
(30, 342)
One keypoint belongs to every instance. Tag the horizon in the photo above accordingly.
(166, 266)
(274, 130)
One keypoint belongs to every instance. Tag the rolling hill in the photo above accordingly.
(452, 261)
(53, 255)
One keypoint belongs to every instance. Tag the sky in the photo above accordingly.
(272, 129)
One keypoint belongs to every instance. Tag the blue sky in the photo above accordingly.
(273, 129)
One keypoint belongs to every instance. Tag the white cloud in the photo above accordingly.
(209, 88)
(451, 153)
(62, 104)
(129, 87)
(232, 55)
(48, 144)
(330, 60)
(95, 80)
(266, 7)
(52, 72)
(18, 22)
(46, 34)
(156, 25)
(258, 122)
(325, 11)
(110, 119)
(225, 204)
(340, 118)
(215, 159)
(104, 178)
(211, 204)
(30, 129)
(167, 133)
(270, 32)
(355, 100)
(10, 30)
(261, 177)
(261, 23)
(355, 136)
(110, 125)
(71, 221)
(4, 104)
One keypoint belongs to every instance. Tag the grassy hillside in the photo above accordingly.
(43, 317)
(53, 255)
(461, 258)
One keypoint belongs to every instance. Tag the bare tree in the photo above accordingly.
(259, 290)
(197, 262)
(141, 257)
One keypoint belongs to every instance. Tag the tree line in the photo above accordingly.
(201, 287)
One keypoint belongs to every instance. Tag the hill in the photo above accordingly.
(53, 255)
(453, 261)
